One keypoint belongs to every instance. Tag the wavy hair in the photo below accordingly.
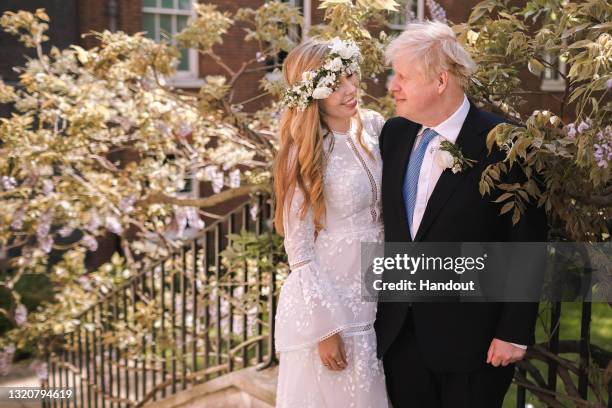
(301, 158)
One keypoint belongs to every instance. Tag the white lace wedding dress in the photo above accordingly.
(322, 294)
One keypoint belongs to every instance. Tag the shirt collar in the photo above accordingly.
(450, 128)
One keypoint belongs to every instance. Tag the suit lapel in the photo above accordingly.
(472, 146)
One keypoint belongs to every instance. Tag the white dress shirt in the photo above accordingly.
(430, 170)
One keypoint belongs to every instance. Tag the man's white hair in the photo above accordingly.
(435, 46)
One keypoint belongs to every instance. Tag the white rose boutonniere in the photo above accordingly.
(449, 156)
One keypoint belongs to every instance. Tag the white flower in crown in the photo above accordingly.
(308, 76)
(345, 49)
(321, 92)
(344, 58)
(334, 65)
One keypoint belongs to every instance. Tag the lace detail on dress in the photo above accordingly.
(299, 264)
(373, 211)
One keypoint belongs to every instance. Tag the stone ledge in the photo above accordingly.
(245, 388)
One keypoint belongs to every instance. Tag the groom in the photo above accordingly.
(445, 355)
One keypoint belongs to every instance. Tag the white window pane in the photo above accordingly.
(181, 22)
(165, 26)
(148, 25)
(408, 10)
(184, 62)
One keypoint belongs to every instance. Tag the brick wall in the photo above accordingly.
(63, 31)
(234, 51)
(96, 15)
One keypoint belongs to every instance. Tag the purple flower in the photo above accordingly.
(94, 222)
(85, 283)
(46, 243)
(609, 83)
(254, 211)
(47, 187)
(114, 225)
(217, 182)
(234, 178)
(602, 151)
(8, 183)
(90, 242)
(583, 126)
(436, 11)
(44, 225)
(127, 204)
(571, 131)
(65, 231)
(180, 217)
(193, 218)
(21, 315)
(18, 217)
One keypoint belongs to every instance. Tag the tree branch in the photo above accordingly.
(161, 198)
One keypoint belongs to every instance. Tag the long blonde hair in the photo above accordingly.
(301, 158)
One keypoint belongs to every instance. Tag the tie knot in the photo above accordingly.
(428, 135)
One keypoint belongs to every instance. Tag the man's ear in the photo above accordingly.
(442, 80)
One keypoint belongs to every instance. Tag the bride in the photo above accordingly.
(327, 186)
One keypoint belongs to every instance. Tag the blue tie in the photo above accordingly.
(411, 181)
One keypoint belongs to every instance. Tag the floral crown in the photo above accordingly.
(344, 58)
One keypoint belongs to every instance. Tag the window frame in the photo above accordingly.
(420, 15)
(550, 84)
(182, 78)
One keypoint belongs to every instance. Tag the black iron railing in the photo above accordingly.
(563, 373)
(178, 323)
(189, 319)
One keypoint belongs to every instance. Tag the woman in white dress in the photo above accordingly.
(327, 186)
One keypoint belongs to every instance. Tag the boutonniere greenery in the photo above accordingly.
(449, 156)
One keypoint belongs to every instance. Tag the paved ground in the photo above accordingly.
(20, 375)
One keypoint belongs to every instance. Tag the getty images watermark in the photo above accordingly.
(486, 272)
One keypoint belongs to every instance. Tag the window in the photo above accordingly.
(552, 81)
(304, 6)
(408, 10)
(161, 19)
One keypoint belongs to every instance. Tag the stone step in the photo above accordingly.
(247, 388)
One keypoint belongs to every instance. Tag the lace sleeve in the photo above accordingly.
(309, 309)
(299, 232)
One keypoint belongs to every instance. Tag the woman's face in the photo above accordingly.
(342, 103)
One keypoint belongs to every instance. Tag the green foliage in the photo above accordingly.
(351, 21)
(568, 146)
(30, 27)
(272, 25)
(206, 30)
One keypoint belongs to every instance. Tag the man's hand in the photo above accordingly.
(503, 353)
(331, 352)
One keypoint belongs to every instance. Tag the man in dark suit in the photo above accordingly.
(441, 354)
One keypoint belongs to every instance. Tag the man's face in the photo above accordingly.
(416, 95)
